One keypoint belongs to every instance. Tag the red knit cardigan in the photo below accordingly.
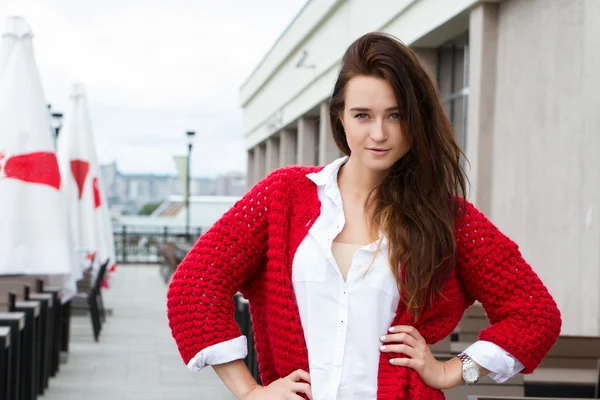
(251, 248)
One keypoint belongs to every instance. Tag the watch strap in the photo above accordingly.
(468, 363)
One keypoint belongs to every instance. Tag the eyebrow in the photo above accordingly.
(363, 109)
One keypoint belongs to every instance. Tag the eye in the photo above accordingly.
(395, 116)
(361, 116)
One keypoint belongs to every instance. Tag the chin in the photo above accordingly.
(380, 165)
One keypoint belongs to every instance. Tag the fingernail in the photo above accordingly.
(392, 329)
(382, 347)
(382, 338)
(392, 360)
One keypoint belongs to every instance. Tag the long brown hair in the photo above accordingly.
(415, 204)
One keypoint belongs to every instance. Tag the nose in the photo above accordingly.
(378, 133)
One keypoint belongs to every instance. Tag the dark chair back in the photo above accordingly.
(12, 301)
(100, 276)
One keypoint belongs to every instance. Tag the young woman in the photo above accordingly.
(353, 269)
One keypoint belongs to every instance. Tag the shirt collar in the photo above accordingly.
(329, 173)
(328, 177)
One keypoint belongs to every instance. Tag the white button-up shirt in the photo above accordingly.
(343, 320)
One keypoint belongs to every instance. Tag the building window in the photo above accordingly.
(453, 81)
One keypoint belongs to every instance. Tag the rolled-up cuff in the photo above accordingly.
(501, 364)
(220, 353)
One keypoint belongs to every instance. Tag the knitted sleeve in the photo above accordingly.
(200, 304)
(525, 320)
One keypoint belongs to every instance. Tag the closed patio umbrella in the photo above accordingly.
(35, 236)
(86, 194)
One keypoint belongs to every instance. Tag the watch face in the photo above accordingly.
(471, 374)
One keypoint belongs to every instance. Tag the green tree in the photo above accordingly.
(149, 208)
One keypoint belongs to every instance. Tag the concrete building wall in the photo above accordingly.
(483, 50)
(259, 170)
(287, 147)
(307, 141)
(251, 165)
(429, 59)
(328, 150)
(545, 181)
(272, 154)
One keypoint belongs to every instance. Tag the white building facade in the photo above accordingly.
(520, 83)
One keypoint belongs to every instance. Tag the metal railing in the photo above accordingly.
(141, 244)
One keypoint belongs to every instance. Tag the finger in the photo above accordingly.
(411, 330)
(403, 362)
(302, 388)
(299, 375)
(400, 338)
(293, 396)
(401, 349)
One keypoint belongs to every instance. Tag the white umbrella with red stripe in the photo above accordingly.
(79, 165)
(35, 236)
(74, 159)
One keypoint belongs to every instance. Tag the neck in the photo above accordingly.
(357, 180)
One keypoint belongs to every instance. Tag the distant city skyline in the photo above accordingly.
(172, 174)
(128, 193)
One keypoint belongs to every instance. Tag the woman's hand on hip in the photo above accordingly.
(408, 341)
(283, 389)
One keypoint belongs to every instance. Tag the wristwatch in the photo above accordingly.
(470, 372)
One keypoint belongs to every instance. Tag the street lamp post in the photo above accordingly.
(190, 139)
(56, 121)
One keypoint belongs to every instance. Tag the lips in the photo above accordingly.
(378, 151)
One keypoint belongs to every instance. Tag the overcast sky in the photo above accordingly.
(154, 69)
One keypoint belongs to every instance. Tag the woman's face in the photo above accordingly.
(371, 121)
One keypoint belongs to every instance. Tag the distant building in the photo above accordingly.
(231, 184)
(201, 187)
(128, 193)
